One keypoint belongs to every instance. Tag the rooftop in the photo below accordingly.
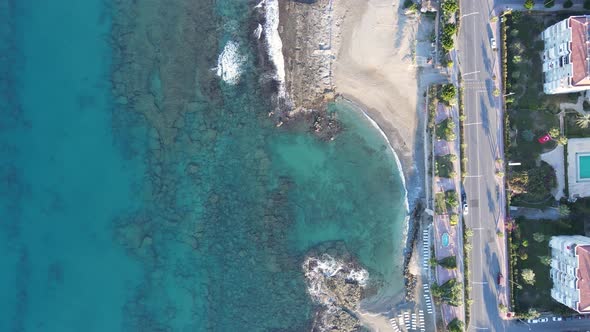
(580, 44)
(583, 275)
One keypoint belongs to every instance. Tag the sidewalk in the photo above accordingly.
(442, 221)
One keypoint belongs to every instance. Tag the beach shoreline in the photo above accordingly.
(362, 54)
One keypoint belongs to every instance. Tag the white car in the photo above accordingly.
(543, 320)
(465, 208)
(535, 321)
(493, 43)
(557, 319)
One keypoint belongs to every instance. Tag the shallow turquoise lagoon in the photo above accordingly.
(141, 193)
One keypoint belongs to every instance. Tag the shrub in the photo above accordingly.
(561, 140)
(529, 4)
(449, 262)
(554, 132)
(568, 4)
(454, 220)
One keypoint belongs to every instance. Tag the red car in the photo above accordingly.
(544, 139)
(500, 279)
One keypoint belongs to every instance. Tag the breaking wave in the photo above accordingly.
(273, 39)
(326, 266)
(229, 63)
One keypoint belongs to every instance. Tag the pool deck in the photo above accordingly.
(575, 147)
(556, 160)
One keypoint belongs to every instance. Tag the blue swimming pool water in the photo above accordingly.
(445, 239)
(584, 167)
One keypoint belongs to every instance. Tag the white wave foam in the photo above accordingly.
(325, 267)
(273, 39)
(229, 63)
(258, 31)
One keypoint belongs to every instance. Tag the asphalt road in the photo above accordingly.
(483, 136)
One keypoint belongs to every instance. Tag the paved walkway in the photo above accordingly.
(536, 214)
(555, 158)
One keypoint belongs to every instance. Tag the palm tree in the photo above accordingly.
(583, 121)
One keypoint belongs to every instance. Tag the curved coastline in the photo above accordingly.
(360, 109)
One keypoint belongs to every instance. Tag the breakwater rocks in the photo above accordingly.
(338, 286)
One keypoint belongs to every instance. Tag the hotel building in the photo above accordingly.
(570, 271)
(566, 61)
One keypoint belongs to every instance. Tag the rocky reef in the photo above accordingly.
(338, 287)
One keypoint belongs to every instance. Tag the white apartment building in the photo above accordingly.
(566, 59)
(570, 271)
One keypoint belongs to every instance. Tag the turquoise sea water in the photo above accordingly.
(139, 192)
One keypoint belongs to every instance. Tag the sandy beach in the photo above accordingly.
(374, 69)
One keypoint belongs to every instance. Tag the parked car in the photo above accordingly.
(500, 279)
(543, 320)
(465, 208)
(557, 319)
(493, 43)
(535, 321)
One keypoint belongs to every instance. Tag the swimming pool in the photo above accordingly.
(445, 239)
(584, 166)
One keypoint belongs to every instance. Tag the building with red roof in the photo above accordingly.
(566, 60)
(570, 271)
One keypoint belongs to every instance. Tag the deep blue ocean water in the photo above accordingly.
(139, 192)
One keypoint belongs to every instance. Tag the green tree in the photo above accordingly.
(448, 93)
(529, 4)
(554, 132)
(449, 262)
(525, 243)
(539, 237)
(528, 276)
(583, 121)
(564, 210)
(452, 198)
(450, 292)
(456, 326)
(502, 308)
(561, 140)
(545, 260)
(568, 4)
(449, 7)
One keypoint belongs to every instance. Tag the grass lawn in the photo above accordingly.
(440, 204)
(538, 296)
(444, 166)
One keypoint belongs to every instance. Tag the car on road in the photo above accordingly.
(543, 320)
(493, 43)
(500, 279)
(557, 319)
(465, 208)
